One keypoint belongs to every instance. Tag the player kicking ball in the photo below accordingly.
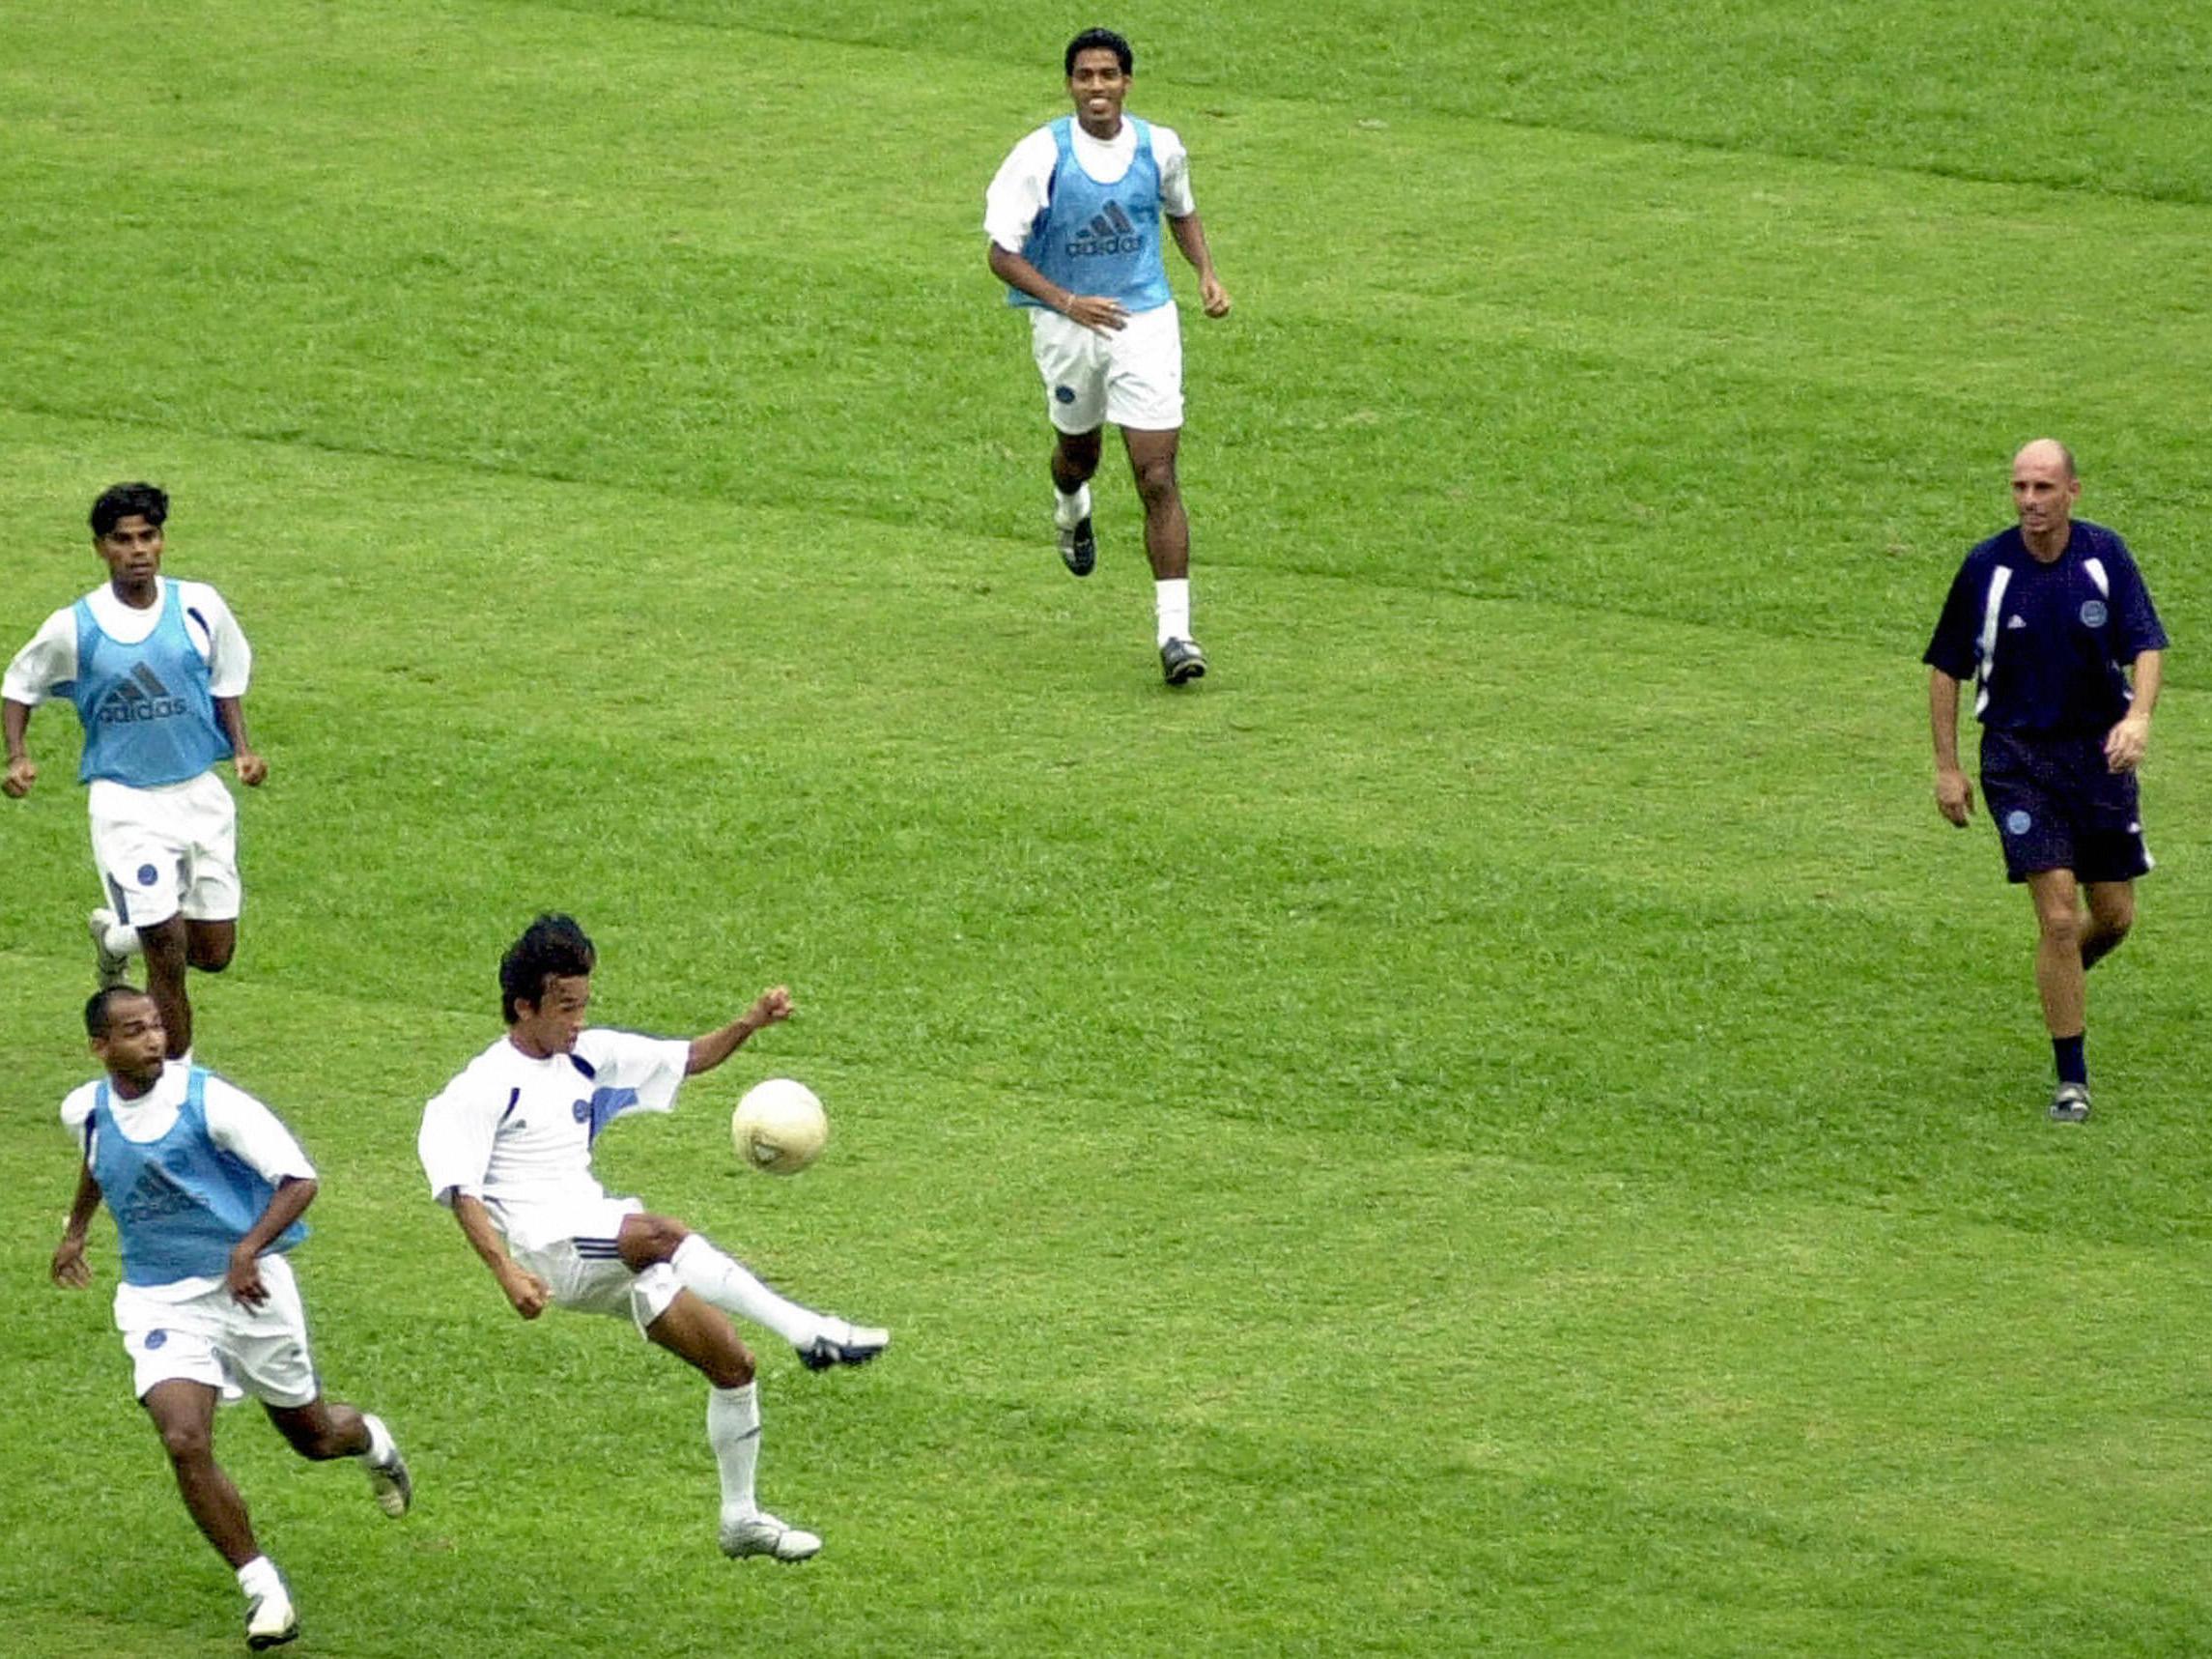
(507, 1146)
(207, 1188)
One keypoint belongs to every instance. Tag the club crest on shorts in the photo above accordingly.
(2017, 822)
(154, 1338)
(2094, 612)
(1065, 393)
(148, 876)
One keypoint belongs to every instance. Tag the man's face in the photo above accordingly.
(135, 1044)
(552, 1024)
(1099, 88)
(131, 550)
(2042, 494)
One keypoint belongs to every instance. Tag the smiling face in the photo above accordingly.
(1099, 88)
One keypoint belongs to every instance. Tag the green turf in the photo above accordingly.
(1501, 1121)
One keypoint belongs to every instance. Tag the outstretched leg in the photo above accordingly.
(822, 1340)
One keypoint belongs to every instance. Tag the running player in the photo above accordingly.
(207, 1188)
(1073, 217)
(157, 670)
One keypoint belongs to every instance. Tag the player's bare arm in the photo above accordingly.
(69, 1267)
(527, 1293)
(770, 1008)
(1954, 790)
(2125, 743)
(1190, 236)
(1092, 310)
(249, 765)
(23, 770)
(289, 1201)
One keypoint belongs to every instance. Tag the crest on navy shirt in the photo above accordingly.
(2094, 612)
(2017, 822)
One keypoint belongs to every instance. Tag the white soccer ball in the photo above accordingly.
(780, 1127)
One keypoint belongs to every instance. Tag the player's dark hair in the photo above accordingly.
(99, 1009)
(1105, 39)
(118, 501)
(552, 947)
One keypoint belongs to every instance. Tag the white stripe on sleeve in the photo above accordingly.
(1986, 646)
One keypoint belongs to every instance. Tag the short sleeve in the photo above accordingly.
(1175, 198)
(76, 1117)
(2139, 629)
(455, 1141)
(46, 665)
(1952, 648)
(1019, 190)
(631, 1071)
(249, 1132)
(216, 631)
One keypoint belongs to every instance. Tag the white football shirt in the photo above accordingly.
(517, 1132)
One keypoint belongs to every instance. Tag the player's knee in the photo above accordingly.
(186, 1442)
(212, 959)
(165, 946)
(2062, 927)
(1156, 481)
(317, 1442)
(649, 1239)
(734, 1369)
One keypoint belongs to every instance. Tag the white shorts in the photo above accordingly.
(168, 850)
(216, 1339)
(1132, 376)
(586, 1271)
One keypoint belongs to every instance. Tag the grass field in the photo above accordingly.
(1499, 1123)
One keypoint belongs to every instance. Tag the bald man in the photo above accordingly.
(2053, 622)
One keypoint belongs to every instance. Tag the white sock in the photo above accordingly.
(258, 1576)
(380, 1447)
(121, 939)
(1171, 600)
(705, 1271)
(733, 1430)
(1069, 511)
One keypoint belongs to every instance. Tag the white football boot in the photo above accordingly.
(271, 1620)
(761, 1533)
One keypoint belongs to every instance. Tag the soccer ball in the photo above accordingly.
(779, 1127)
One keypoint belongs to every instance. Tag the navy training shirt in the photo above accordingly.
(2046, 644)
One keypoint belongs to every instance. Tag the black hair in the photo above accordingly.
(552, 947)
(1100, 37)
(118, 501)
(99, 1009)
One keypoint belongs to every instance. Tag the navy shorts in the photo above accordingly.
(2059, 807)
